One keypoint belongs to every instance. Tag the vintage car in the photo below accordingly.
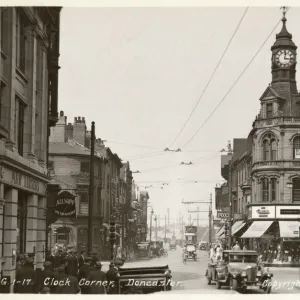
(203, 246)
(241, 271)
(172, 246)
(143, 280)
(191, 251)
(142, 250)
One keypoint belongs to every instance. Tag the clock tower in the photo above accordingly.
(284, 62)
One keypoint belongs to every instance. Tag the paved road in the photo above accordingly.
(190, 277)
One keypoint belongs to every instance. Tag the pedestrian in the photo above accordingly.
(111, 276)
(97, 275)
(68, 283)
(245, 247)
(72, 263)
(236, 247)
(45, 277)
(81, 258)
(26, 278)
(83, 274)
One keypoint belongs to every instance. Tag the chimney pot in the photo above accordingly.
(75, 119)
(79, 119)
(61, 113)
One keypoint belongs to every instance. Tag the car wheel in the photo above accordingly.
(244, 289)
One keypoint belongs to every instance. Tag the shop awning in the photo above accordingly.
(237, 226)
(289, 229)
(257, 229)
(220, 232)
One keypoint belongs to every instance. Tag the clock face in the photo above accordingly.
(284, 58)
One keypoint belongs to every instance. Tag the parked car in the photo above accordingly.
(203, 246)
(241, 271)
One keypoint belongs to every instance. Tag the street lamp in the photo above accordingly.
(152, 212)
(289, 185)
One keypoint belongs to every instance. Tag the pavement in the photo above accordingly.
(190, 277)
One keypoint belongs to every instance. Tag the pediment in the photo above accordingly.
(270, 93)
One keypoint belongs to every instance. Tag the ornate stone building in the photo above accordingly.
(28, 107)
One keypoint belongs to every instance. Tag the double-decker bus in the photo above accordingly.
(190, 234)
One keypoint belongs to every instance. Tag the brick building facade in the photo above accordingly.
(28, 107)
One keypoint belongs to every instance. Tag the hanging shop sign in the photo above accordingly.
(287, 212)
(263, 212)
(65, 205)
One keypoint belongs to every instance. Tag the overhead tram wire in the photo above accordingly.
(233, 85)
(132, 145)
(211, 77)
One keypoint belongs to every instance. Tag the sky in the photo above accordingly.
(138, 73)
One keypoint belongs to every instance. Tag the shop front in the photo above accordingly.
(274, 232)
(23, 217)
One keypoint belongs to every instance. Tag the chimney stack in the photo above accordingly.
(58, 132)
(79, 131)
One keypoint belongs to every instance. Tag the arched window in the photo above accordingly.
(296, 147)
(266, 149)
(269, 147)
(273, 150)
(273, 189)
(265, 190)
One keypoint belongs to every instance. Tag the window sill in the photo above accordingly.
(22, 75)
(3, 54)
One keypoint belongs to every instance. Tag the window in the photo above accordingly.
(21, 43)
(269, 148)
(4, 29)
(51, 165)
(99, 200)
(266, 149)
(269, 110)
(21, 121)
(296, 189)
(273, 189)
(107, 183)
(296, 147)
(85, 167)
(84, 197)
(265, 190)
(273, 150)
(22, 222)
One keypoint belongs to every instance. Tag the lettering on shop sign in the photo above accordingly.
(290, 211)
(263, 212)
(25, 181)
(65, 204)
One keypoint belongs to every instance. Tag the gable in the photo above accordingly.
(270, 93)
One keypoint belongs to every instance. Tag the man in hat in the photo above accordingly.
(84, 273)
(26, 278)
(81, 258)
(111, 276)
(67, 284)
(99, 278)
(72, 263)
(45, 277)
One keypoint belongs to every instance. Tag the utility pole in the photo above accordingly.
(209, 216)
(190, 219)
(230, 204)
(91, 191)
(156, 228)
(165, 227)
(168, 217)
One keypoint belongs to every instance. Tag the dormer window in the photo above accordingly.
(269, 110)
